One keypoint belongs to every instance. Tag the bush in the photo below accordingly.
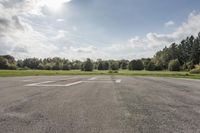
(124, 64)
(174, 65)
(150, 66)
(196, 70)
(100, 66)
(113, 71)
(159, 66)
(146, 62)
(87, 65)
(41, 66)
(10, 59)
(57, 66)
(66, 67)
(47, 66)
(31, 63)
(12, 67)
(114, 65)
(20, 63)
(4, 63)
(103, 65)
(136, 65)
(190, 65)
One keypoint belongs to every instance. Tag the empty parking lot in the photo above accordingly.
(98, 104)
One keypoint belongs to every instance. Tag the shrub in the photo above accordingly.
(113, 71)
(20, 63)
(87, 65)
(100, 66)
(57, 66)
(41, 66)
(66, 67)
(159, 66)
(82, 67)
(4, 63)
(188, 66)
(114, 65)
(11, 59)
(12, 67)
(146, 62)
(106, 65)
(196, 70)
(47, 66)
(174, 65)
(150, 66)
(124, 64)
(136, 65)
(31, 63)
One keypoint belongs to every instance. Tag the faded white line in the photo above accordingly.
(93, 78)
(27, 80)
(45, 82)
(74, 83)
(38, 83)
(42, 84)
(67, 78)
(118, 81)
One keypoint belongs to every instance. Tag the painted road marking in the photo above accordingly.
(74, 83)
(38, 83)
(45, 84)
(67, 78)
(103, 81)
(93, 78)
(118, 81)
(27, 80)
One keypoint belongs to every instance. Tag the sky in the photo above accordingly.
(106, 29)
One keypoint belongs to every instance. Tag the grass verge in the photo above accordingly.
(10, 73)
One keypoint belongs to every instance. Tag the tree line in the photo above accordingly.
(176, 57)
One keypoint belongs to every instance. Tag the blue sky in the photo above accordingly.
(108, 29)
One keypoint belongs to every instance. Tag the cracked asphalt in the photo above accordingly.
(99, 104)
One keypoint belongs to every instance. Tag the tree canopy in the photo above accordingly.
(183, 56)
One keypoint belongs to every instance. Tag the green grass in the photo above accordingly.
(8, 73)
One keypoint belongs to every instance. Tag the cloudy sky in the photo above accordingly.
(107, 29)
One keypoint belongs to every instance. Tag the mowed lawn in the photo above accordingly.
(182, 74)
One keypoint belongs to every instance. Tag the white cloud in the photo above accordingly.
(169, 23)
(60, 20)
(152, 42)
(89, 49)
(54, 4)
(19, 37)
(87, 52)
(61, 34)
(74, 28)
(31, 7)
(42, 6)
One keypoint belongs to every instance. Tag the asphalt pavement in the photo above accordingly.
(99, 104)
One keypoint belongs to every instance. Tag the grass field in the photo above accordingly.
(8, 73)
